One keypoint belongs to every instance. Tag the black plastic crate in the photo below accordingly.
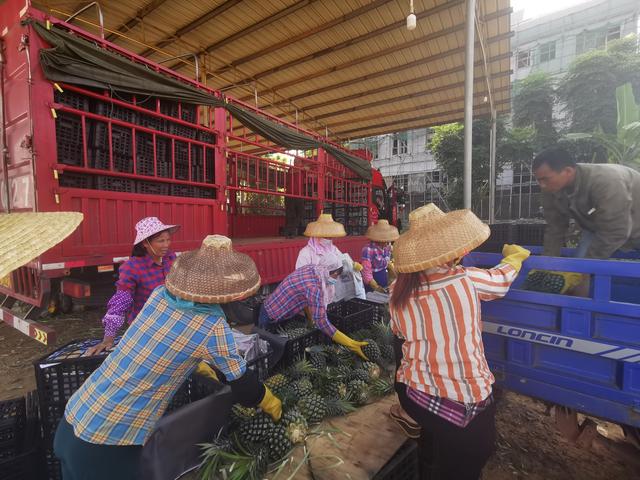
(206, 137)
(501, 234)
(69, 138)
(110, 110)
(75, 180)
(53, 470)
(23, 466)
(182, 131)
(379, 311)
(99, 158)
(12, 424)
(181, 398)
(172, 109)
(71, 99)
(152, 188)
(404, 464)
(145, 156)
(154, 123)
(294, 348)
(349, 316)
(191, 191)
(261, 365)
(115, 184)
(531, 233)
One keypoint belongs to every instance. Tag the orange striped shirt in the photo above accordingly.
(441, 325)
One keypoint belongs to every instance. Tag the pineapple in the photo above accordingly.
(337, 407)
(295, 425)
(334, 389)
(302, 387)
(341, 371)
(386, 350)
(313, 407)
(278, 443)
(358, 392)
(316, 357)
(382, 386)
(372, 350)
(254, 430)
(372, 369)
(381, 333)
(361, 334)
(359, 374)
(300, 369)
(277, 383)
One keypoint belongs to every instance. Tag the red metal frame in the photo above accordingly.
(240, 167)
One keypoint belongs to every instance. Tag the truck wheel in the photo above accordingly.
(66, 303)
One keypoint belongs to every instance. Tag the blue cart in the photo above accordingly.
(581, 353)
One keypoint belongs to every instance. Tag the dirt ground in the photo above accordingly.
(528, 445)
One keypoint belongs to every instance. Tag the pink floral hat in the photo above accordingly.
(150, 226)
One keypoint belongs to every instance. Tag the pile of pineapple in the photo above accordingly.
(330, 381)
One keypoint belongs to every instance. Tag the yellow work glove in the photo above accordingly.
(353, 345)
(373, 284)
(552, 281)
(357, 267)
(514, 255)
(206, 371)
(271, 404)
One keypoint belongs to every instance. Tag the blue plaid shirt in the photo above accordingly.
(120, 403)
(302, 288)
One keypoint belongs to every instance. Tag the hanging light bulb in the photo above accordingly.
(411, 18)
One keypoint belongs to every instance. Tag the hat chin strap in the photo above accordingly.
(153, 250)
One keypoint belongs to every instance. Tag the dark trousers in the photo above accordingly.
(87, 461)
(446, 451)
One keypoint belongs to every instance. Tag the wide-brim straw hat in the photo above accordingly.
(438, 239)
(382, 232)
(325, 227)
(26, 236)
(215, 273)
(427, 212)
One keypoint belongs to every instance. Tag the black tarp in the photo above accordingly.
(74, 60)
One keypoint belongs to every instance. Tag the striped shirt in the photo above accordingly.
(302, 288)
(443, 354)
(120, 403)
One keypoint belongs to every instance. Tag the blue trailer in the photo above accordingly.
(580, 353)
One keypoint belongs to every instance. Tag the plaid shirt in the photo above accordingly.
(459, 414)
(374, 259)
(120, 403)
(303, 288)
(138, 277)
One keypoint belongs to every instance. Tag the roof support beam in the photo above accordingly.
(136, 20)
(468, 99)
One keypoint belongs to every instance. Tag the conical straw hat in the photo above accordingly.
(429, 211)
(215, 273)
(382, 232)
(437, 240)
(325, 227)
(25, 236)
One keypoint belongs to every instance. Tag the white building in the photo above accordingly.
(548, 43)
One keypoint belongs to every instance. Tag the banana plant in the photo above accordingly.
(624, 146)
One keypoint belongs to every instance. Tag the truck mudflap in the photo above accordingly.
(579, 353)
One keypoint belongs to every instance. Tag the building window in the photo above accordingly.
(547, 52)
(592, 39)
(524, 58)
(434, 176)
(400, 144)
(401, 182)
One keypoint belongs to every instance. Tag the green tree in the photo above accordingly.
(447, 146)
(533, 100)
(588, 89)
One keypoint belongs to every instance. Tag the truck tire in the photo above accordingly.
(66, 303)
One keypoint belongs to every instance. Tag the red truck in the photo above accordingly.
(118, 157)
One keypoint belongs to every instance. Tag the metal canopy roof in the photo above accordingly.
(347, 67)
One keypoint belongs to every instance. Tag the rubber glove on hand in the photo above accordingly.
(375, 286)
(357, 267)
(271, 404)
(514, 255)
(206, 371)
(353, 345)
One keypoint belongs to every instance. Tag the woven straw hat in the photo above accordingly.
(427, 212)
(438, 238)
(382, 232)
(25, 236)
(215, 273)
(325, 227)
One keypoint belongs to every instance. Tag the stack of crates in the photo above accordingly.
(111, 148)
(19, 439)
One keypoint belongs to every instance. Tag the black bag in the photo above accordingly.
(172, 448)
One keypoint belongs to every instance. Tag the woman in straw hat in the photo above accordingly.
(146, 269)
(443, 380)
(307, 289)
(113, 413)
(376, 256)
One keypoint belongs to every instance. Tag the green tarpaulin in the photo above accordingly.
(73, 60)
